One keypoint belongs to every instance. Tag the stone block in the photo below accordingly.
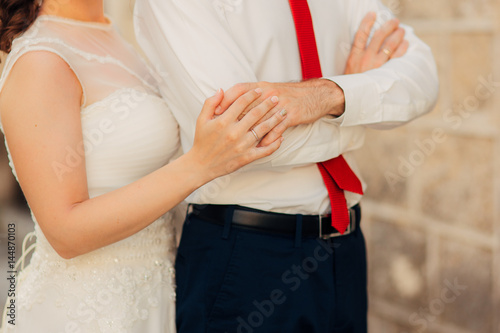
(475, 9)
(422, 9)
(472, 64)
(466, 285)
(397, 269)
(378, 324)
(378, 161)
(456, 181)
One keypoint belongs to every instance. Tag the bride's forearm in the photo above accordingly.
(111, 217)
(40, 129)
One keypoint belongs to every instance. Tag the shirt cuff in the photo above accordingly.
(362, 99)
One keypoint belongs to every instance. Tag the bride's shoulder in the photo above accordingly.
(35, 74)
(40, 64)
(36, 49)
(37, 57)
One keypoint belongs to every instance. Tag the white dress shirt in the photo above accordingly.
(198, 46)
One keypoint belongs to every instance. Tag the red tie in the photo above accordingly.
(336, 173)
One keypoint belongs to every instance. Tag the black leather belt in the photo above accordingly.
(312, 225)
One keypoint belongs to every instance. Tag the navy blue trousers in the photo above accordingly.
(231, 279)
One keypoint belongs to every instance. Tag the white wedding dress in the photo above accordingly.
(128, 132)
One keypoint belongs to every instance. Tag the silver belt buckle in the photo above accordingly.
(350, 227)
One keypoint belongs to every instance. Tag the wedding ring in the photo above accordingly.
(255, 134)
(387, 52)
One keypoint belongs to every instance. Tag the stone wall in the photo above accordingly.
(432, 210)
(431, 214)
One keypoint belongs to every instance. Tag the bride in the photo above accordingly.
(89, 139)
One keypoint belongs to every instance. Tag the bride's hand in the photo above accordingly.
(223, 144)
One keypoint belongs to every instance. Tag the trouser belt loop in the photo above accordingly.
(228, 220)
(298, 231)
(189, 209)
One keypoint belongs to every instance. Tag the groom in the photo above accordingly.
(262, 249)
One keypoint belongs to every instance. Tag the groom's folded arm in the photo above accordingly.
(400, 90)
(194, 53)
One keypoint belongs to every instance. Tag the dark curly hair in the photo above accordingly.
(16, 16)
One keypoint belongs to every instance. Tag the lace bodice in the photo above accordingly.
(128, 132)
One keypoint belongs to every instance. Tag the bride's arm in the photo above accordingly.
(40, 109)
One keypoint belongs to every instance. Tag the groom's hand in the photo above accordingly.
(387, 43)
(304, 102)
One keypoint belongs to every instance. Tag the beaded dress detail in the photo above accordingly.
(128, 132)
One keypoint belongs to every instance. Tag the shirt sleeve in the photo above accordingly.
(397, 92)
(193, 61)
